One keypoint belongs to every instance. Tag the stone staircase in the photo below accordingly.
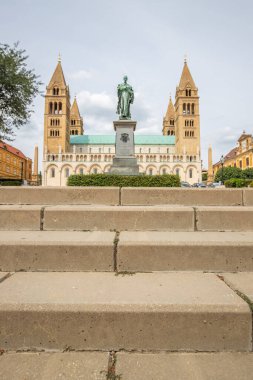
(108, 283)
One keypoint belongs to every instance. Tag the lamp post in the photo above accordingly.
(222, 164)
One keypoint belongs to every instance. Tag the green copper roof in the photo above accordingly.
(110, 140)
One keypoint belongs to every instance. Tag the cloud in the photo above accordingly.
(100, 100)
(81, 75)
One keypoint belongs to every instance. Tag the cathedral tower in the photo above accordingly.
(76, 121)
(187, 116)
(169, 120)
(57, 113)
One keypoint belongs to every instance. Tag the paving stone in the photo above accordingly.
(56, 251)
(20, 217)
(242, 282)
(119, 218)
(101, 311)
(59, 195)
(143, 251)
(187, 197)
(53, 366)
(224, 218)
(185, 366)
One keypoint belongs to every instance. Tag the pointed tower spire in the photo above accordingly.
(169, 120)
(186, 78)
(76, 120)
(74, 111)
(170, 114)
(58, 76)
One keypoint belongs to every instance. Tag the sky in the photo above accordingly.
(100, 41)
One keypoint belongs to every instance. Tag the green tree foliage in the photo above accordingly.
(228, 173)
(204, 176)
(18, 87)
(247, 173)
(166, 180)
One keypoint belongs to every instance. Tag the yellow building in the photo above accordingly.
(14, 164)
(240, 156)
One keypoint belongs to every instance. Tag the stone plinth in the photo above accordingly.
(124, 162)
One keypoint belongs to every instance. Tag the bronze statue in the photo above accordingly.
(125, 98)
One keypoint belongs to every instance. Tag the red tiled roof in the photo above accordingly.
(231, 154)
(11, 149)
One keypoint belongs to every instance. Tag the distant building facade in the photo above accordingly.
(67, 150)
(14, 165)
(240, 156)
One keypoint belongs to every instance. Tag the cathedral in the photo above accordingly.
(68, 150)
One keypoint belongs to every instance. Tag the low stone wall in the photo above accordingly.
(125, 196)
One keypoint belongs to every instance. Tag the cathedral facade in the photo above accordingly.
(68, 150)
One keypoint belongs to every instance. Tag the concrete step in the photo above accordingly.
(56, 251)
(119, 218)
(126, 366)
(145, 251)
(103, 311)
(56, 365)
(125, 196)
(184, 196)
(185, 366)
(59, 195)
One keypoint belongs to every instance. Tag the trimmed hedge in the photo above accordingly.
(10, 183)
(238, 182)
(166, 180)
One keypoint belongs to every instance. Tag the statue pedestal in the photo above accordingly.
(124, 162)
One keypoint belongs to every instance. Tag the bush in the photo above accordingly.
(247, 173)
(228, 173)
(236, 182)
(251, 184)
(204, 176)
(165, 180)
(10, 183)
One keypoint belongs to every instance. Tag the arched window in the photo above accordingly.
(164, 171)
(193, 109)
(67, 172)
(52, 172)
(55, 108)
(81, 171)
(150, 171)
(60, 107)
(188, 109)
(184, 109)
(50, 108)
(95, 171)
(177, 172)
(190, 173)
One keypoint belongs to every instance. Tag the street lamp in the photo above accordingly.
(222, 164)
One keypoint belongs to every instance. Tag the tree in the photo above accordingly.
(18, 87)
(247, 173)
(228, 173)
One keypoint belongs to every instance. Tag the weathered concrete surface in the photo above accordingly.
(59, 195)
(119, 218)
(224, 218)
(248, 197)
(94, 311)
(20, 218)
(243, 282)
(56, 251)
(185, 366)
(53, 366)
(142, 251)
(188, 197)
(3, 276)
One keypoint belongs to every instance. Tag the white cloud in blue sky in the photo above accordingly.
(100, 41)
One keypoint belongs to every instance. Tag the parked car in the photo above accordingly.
(185, 184)
(215, 184)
